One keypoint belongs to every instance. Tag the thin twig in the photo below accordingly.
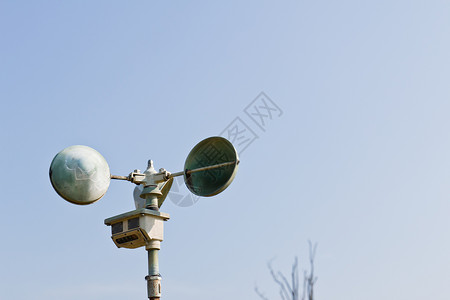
(260, 294)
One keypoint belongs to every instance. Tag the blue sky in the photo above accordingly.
(357, 161)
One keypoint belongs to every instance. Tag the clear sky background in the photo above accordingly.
(358, 161)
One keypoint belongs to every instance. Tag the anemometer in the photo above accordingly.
(81, 175)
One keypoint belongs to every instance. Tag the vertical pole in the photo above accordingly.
(153, 262)
(153, 278)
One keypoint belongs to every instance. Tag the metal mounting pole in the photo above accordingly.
(153, 278)
(151, 193)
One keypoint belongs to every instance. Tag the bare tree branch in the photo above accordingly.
(310, 279)
(294, 278)
(283, 291)
(261, 295)
(290, 290)
(286, 284)
(305, 282)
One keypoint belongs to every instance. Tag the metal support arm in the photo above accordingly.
(138, 178)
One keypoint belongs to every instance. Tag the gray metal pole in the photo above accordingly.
(153, 262)
(153, 278)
